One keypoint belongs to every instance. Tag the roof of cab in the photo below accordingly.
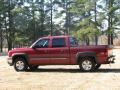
(62, 36)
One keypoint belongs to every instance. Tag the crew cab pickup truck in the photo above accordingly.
(60, 50)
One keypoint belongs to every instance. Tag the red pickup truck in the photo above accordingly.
(60, 50)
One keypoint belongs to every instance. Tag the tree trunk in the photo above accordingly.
(109, 39)
(51, 18)
(33, 22)
(111, 36)
(42, 18)
(96, 40)
(10, 27)
(87, 41)
(96, 37)
(9, 44)
(110, 24)
(1, 41)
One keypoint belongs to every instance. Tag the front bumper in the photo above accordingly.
(9, 61)
(111, 59)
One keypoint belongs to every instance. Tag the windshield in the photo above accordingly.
(73, 42)
(34, 43)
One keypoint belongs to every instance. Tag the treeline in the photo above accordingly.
(23, 21)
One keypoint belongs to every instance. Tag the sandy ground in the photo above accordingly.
(61, 77)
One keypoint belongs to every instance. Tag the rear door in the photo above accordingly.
(59, 51)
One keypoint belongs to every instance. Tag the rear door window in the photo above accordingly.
(58, 42)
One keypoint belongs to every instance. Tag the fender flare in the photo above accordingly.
(19, 54)
(86, 54)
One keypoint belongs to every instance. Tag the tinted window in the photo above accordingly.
(44, 43)
(58, 42)
(73, 42)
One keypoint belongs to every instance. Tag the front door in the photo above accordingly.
(59, 51)
(40, 52)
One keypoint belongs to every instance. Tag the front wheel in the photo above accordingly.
(87, 64)
(20, 64)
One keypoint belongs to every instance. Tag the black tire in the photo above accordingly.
(97, 66)
(33, 67)
(20, 64)
(87, 64)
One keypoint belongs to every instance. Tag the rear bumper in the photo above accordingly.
(111, 59)
(9, 61)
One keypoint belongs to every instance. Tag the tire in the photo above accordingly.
(97, 66)
(33, 67)
(87, 64)
(20, 64)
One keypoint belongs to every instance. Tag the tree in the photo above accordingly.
(1, 25)
(87, 19)
(66, 5)
(112, 16)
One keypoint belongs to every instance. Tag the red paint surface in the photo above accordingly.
(60, 56)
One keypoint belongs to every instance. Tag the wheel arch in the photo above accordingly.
(81, 55)
(16, 55)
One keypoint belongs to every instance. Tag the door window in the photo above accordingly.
(58, 42)
(43, 43)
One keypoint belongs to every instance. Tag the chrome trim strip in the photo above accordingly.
(39, 58)
(59, 58)
(47, 58)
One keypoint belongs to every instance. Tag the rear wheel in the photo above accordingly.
(87, 64)
(20, 64)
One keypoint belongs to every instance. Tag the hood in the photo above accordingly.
(18, 50)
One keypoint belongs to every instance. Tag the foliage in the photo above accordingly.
(23, 21)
